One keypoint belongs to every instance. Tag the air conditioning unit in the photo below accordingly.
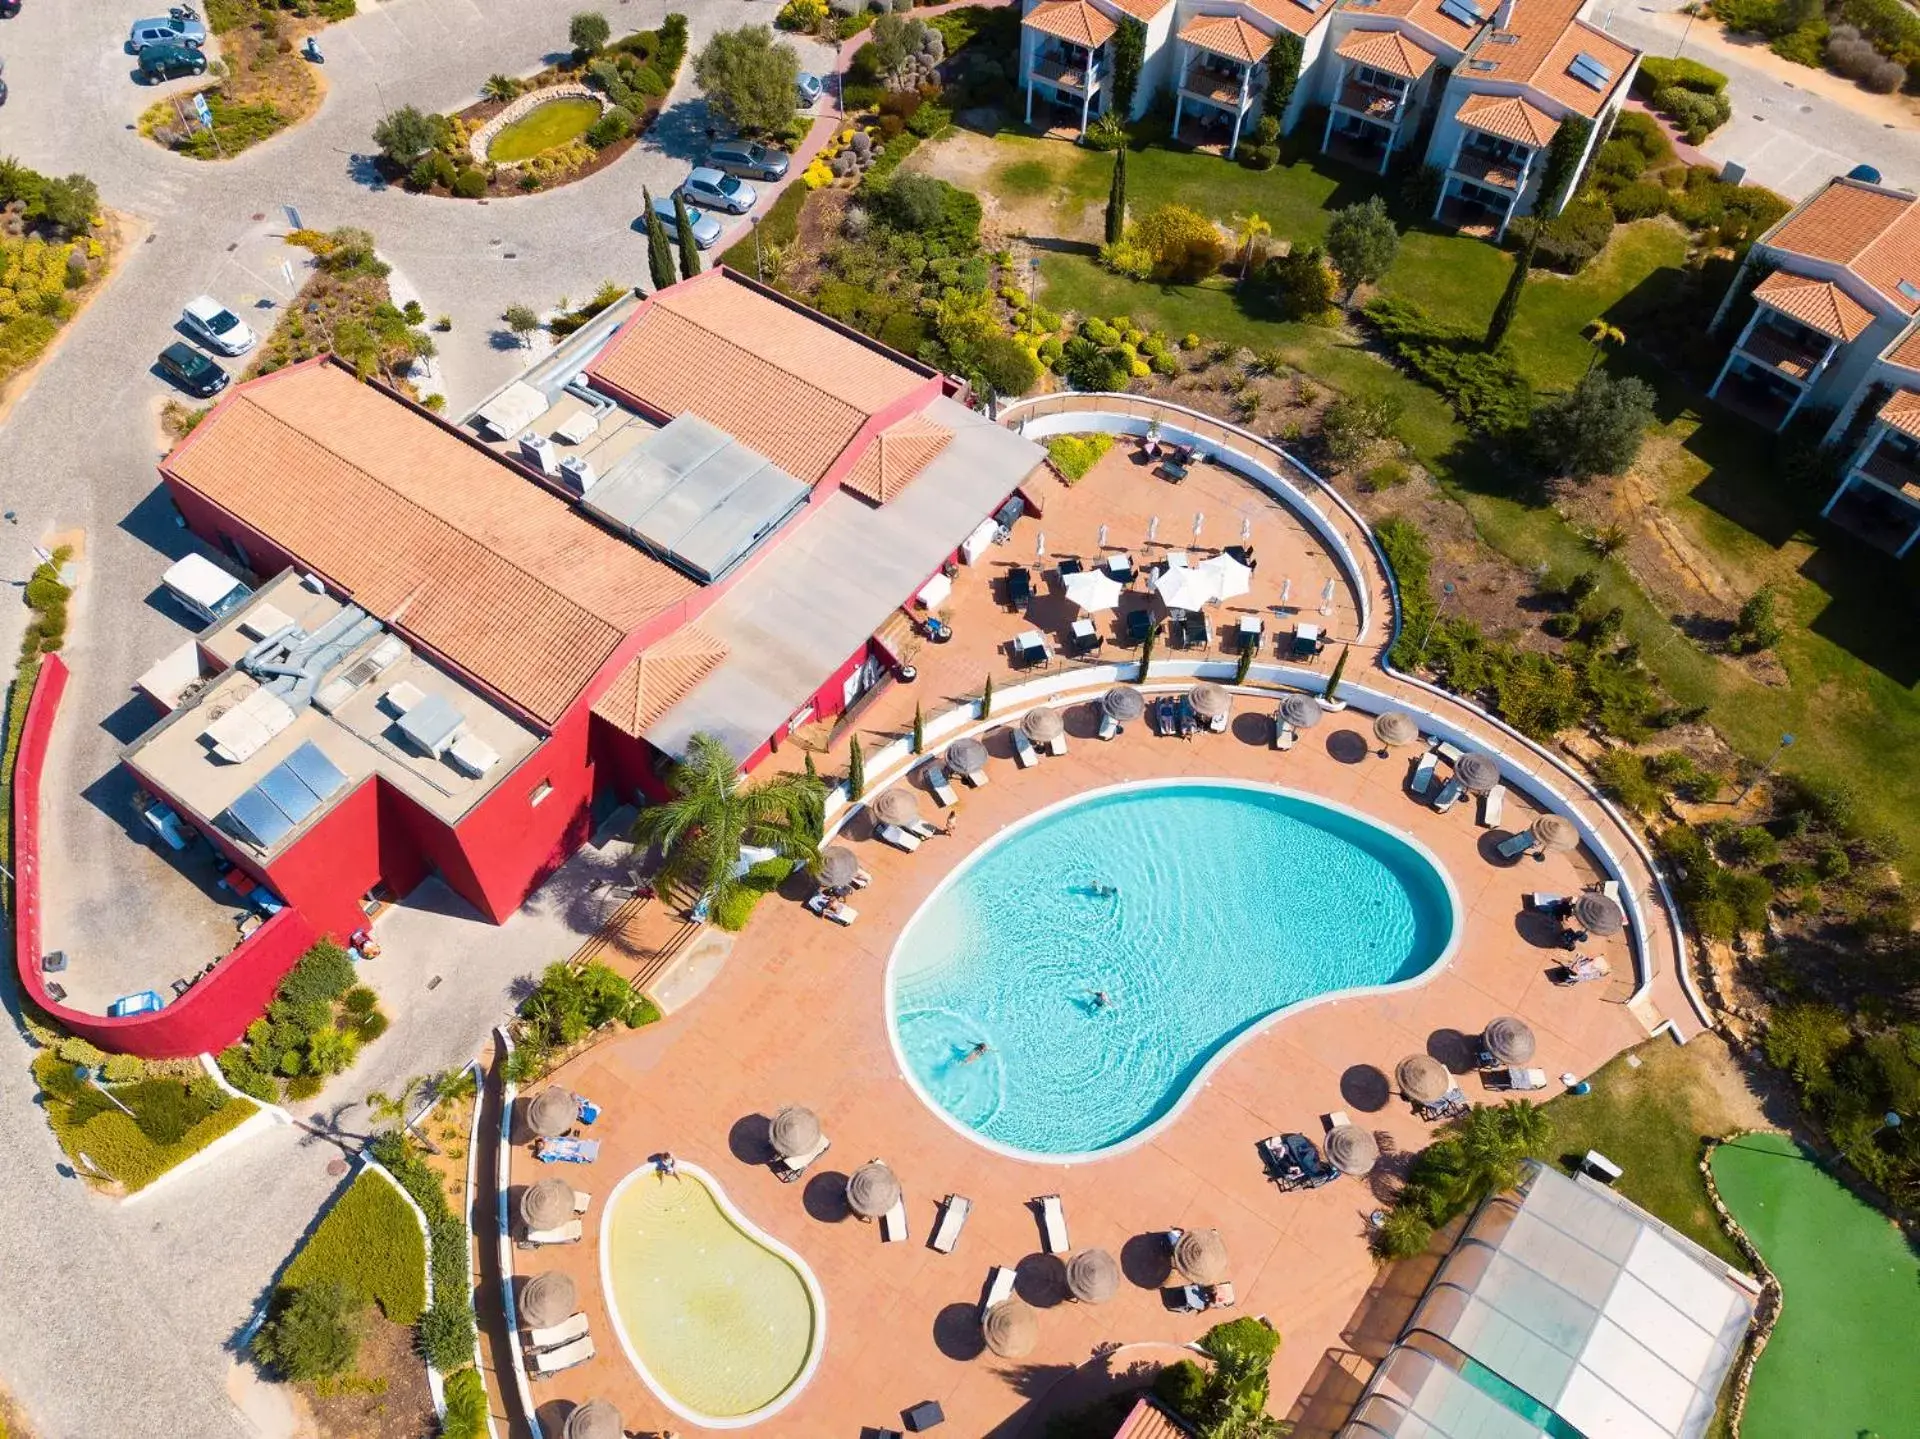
(537, 450)
(578, 473)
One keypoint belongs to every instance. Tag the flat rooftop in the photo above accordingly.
(377, 707)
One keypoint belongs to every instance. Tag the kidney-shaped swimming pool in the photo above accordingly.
(1063, 990)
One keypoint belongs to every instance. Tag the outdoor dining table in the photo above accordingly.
(1085, 637)
(1031, 647)
(1251, 628)
(1120, 567)
(1173, 471)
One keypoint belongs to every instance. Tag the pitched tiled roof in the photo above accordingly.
(783, 381)
(1873, 232)
(1387, 50)
(1297, 15)
(1509, 117)
(1147, 1420)
(1071, 20)
(1537, 49)
(1227, 35)
(1424, 16)
(1142, 9)
(1902, 411)
(1819, 304)
(659, 677)
(450, 545)
(1554, 77)
(1905, 351)
(896, 457)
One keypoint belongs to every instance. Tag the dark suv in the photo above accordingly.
(164, 62)
(192, 371)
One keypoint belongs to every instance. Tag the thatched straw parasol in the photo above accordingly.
(1043, 725)
(1556, 831)
(551, 1110)
(1123, 703)
(1011, 1328)
(1422, 1078)
(1092, 1276)
(595, 1419)
(838, 866)
(1478, 773)
(896, 806)
(968, 755)
(1395, 727)
(548, 1299)
(546, 1205)
(1597, 914)
(794, 1131)
(872, 1190)
(1509, 1040)
(1301, 712)
(1351, 1150)
(1201, 1255)
(1209, 701)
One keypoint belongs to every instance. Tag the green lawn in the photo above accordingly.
(1841, 1359)
(370, 1243)
(545, 127)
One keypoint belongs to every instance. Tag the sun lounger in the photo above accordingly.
(555, 1335)
(1058, 745)
(1515, 1078)
(1453, 1102)
(567, 1151)
(977, 779)
(1611, 889)
(1285, 736)
(1024, 753)
(1492, 805)
(845, 914)
(1281, 1166)
(941, 787)
(568, 1233)
(1423, 773)
(922, 829)
(1053, 1223)
(893, 1224)
(1193, 1299)
(1585, 969)
(1109, 726)
(1544, 903)
(953, 1219)
(789, 1170)
(1221, 1295)
(1163, 717)
(1449, 751)
(1600, 1167)
(897, 837)
(1305, 1154)
(565, 1357)
(1515, 845)
(1449, 795)
(999, 1287)
(1337, 1119)
(1188, 720)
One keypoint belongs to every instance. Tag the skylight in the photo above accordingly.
(1910, 290)
(1464, 11)
(1313, 6)
(1590, 72)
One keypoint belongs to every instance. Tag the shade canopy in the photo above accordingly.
(1231, 579)
(1422, 1078)
(1396, 727)
(838, 866)
(548, 1299)
(1201, 1255)
(1043, 725)
(1011, 1328)
(1351, 1150)
(794, 1131)
(1093, 590)
(1185, 587)
(552, 1110)
(546, 1205)
(1301, 712)
(1556, 831)
(1123, 703)
(897, 806)
(1092, 1276)
(1597, 914)
(1509, 1040)
(1478, 773)
(1209, 701)
(872, 1190)
(967, 755)
(595, 1419)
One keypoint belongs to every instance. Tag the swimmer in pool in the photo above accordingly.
(1100, 1000)
(975, 1053)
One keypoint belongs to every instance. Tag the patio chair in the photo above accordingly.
(1493, 805)
(556, 1335)
(1139, 626)
(893, 1224)
(565, 1357)
(1070, 566)
(940, 786)
(999, 1287)
(1034, 652)
(1449, 795)
(1053, 1223)
(1085, 637)
(1019, 587)
(1515, 845)
(953, 1219)
(1024, 753)
(568, 1233)
(1282, 1168)
(897, 837)
(788, 1171)
(1423, 773)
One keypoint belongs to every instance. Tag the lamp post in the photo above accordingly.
(1889, 1120)
(1446, 591)
(1786, 743)
(86, 1076)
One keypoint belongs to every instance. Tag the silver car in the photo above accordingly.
(706, 229)
(712, 190)
(165, 31)
(748, 159)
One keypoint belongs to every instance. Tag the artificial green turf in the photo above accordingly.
(1841, 1360)
(545, 127)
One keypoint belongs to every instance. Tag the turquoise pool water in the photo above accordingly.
(1197, 908)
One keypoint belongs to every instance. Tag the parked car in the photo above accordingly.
(712, 190)
(191, 370)
(202, 588)
(164, 62)
(706, 229)
(748, 159)
(165, 30)
(217, 327)
(809, 87)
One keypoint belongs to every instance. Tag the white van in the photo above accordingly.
(204, 589)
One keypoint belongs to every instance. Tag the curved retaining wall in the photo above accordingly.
(526, 104)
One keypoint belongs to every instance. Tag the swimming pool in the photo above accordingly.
(1108, 950)
(723, 1321)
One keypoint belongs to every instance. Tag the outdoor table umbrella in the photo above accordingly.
(595, 1419)
(547, 1300)
(872, 1190)
(897, 806)
(1422, 1078)
(1209, 701)
(1043, 725)
(1478, 773)
(1395, 727)
(1011, 1328)
(1093, 590)
(1554, 831)
(838, 866)
(1186, 587)
(967, 755)
(1597, 914)
(1201, 1255)
(1509, 1040)
(1092, 1276)
(1231, 578)
(552, 1110)
(1351, 1150)
(794, 1131)
(1124, 703)
(1301, 712)
(546, 1205)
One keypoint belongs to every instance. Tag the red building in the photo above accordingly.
(692, 518)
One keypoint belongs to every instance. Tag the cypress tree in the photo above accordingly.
(1339, 668)
(856, 770)
(1117, 198)
(659, 252)
(1509, 305)
(986, 700)
(689, 247)
(919, 730)
(1146, 653)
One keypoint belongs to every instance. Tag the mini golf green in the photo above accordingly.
(545, 127)
(1840, 1362)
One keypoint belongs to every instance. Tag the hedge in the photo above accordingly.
(1074, 455)
(1657, 73)
(172, 1120)
(370, 1244)
(445, 1333)
(779, 226)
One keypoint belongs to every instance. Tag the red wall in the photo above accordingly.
(212, 1014)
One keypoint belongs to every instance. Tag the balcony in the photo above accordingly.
(1215, 86)
(1895, 470)
(1486, 168)
(1075, 76)
(1796, 354)
(1372, 101)
(1469, 217)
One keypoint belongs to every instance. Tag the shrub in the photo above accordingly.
(1085, 366)
(1575, 235)
(1596, 428)
(1074, 455)
(1006, 366)
(1353, 424)
(470, 183)
(1640, 200)
(1486, 389)
(1758, 627)
(1404, 1233)
(737, 906)
(369, 1244)
(1301, 284)
(1182, 1387)
(567, 1003)
(1362, 243)
(1388, 475)
(1658, 72)
(1695, 114)
(1623, 775)
(1184, 243)
(323, 974)
(801, 15)
(404, 135)
(588, 32)
(1804, 1039)
(1125, 257)
(615, 124)
(466, 1416)
(309, 1333)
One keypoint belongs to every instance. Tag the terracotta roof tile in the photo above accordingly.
(781, 380)
(1147, 1420)
(1388, 51)
(1554, 76)
(1297, 15)
(659, 677)
(1509, 117)
(1874, 233)
(1228, 35)
(1074, 21)
(1902, 411)
(896, 457)
(1905, 351)
(1423, 16)
(442, 540)
(1818, 304)
(1142, 9)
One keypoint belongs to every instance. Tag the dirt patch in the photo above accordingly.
(265, 86)
(819, 227)
(1019, 197)
(386, 1397)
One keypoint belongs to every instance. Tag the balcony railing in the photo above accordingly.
(1794, 354)
(1373, 101)
(1893, 470)
(1074, 75)
(1485, 168)
(1215, 86)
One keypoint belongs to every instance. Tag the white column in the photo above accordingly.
(1239, 111)
(1845, 485)
(1807, 389)
(1739, 344)
(1901, 553)
(1086, 91)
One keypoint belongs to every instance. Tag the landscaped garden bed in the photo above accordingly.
(55, 250)
(346, 309)
(314, 1029)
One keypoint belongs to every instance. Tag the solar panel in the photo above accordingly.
(289, 792)
(1310, 5)
(1464, 11)
(316, 771)
(1910, 290)
(256, 819)
(1589, 71)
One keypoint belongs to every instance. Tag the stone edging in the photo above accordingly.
(570, 90)
(1772, 1301)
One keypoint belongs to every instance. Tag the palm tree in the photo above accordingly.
(500, 87)
(712, 813)
(1493, 1143)
(1600, 334)
(1250, 228)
